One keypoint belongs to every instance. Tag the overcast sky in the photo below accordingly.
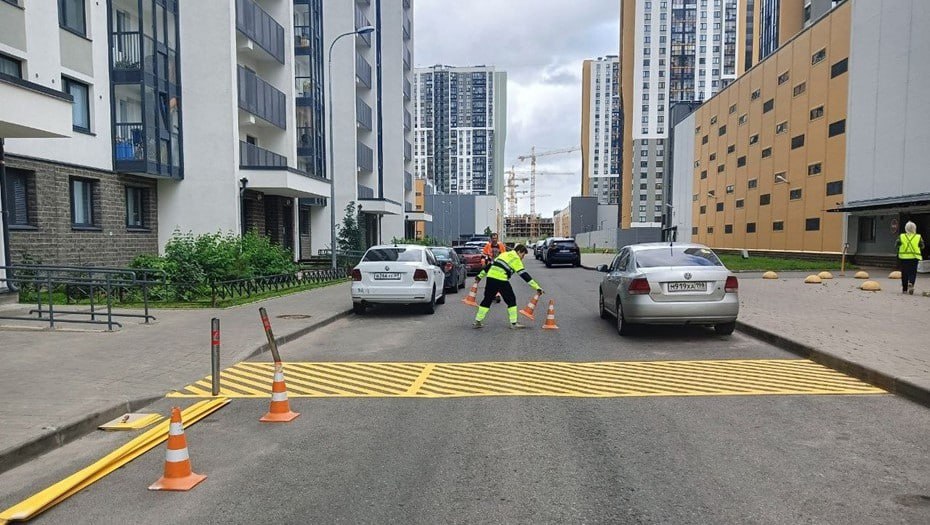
(541, 45)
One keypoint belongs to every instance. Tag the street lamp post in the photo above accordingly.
(332, 176)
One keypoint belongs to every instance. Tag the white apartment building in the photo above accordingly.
(601, 123)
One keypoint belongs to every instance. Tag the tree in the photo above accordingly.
(350, 233)
(487, 231)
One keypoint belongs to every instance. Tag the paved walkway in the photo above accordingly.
(53, 380)
(875, 335)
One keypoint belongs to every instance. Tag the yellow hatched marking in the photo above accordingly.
(733, 377)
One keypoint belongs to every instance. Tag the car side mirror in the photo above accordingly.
(603, 268)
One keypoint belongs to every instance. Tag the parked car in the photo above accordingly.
(472, 257)
(561, 250)
(669, 283)
(540, 246)
(453, 268)
(483, 239)
(398, 274)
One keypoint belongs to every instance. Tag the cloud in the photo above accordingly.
(541, 44)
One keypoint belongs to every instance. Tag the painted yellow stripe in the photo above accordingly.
(538, 378)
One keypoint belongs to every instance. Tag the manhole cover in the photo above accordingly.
(294, 316)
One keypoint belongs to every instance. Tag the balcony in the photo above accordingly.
(364, 157)
(408, 150)
(364, 192)
(407, 59)
(408, 181)
(261, 98)
(132, 54)
(259, 27)
(407, 120)
(362, 114)
(406, 89)
(252, 156)
(361, 21)
(406, 28)
(362, 71)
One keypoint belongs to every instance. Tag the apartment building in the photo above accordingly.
(461, 128)
(601, 129)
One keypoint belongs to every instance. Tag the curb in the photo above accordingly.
(287, 338)
(892, 384)
(60, 436)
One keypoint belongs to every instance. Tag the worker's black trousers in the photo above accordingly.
(908, 272)
(493, 287)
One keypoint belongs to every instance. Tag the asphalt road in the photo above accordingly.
(736, 459)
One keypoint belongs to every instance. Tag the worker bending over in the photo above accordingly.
(499, 273)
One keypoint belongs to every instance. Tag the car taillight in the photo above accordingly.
(356, 275)
(448, 267)
(639, 286)
(420, 275)
(732, 285)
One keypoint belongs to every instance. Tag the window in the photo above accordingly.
(812, 224)
(742, 119)
(817, 58)
(82, 202)
(797, 141)
(753, 139)
(795, 194)
(781, 127)
(838, 128)
(727, 228)
(767, 152)
(816, 113)
(750, 227)
(731, 188)
(778, 226)
(768, 105)
(781, 177)
(741, 161)
(71, 16)
(866, 229)
(694, 197)
(704, 139)
(702, 210)
(765, 199)
(135, 207)
(11, 66)
(782, 78)
(694, 230)
(704, 174)
(731, 148)
(755, 94)
(713, 157)
(713, 120)
(80, 108)
(719, 206)
(740, 203)
(752, 183)
(835, 187)
(814, 169)
(733, 109)
(710, 229)
(722, 131)
(17, 198)
(721, 168)
(800, 89)
(839, 68)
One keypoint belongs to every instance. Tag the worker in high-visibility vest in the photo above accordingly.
(910, 246)
(499, 273)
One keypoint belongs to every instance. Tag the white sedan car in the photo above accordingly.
(398, 274)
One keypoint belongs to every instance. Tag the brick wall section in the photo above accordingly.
(254, 212)
(51, 239)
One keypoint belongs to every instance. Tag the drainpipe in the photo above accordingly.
(4, 221)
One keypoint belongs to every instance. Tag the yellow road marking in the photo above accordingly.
(732, 377)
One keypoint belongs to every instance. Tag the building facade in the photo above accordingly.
(601, 129)
(461, 128)
(456, 217)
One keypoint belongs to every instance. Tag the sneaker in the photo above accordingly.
(910, 289)
(477, 324)
(516, 326)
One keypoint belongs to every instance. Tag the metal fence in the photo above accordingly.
(239, 288)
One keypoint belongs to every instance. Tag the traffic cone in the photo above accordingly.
(280, 411)
(530, 308)
(178, 474)
(472, 294)
(550, 317)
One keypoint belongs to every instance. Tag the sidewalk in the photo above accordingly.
(57, 385)
(875, 336)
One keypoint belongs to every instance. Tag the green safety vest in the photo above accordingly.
(506, 264)
(910, 246)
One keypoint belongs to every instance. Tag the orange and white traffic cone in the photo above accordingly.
(472, 295)
(178, 473)
(530, 310)
(280, 411)
(550, 317)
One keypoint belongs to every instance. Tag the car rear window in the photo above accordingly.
(676, 256)
(564, 244)
(393, 254)
(466, 250)
(442, 253)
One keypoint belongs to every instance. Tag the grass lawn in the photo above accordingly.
(737, 263)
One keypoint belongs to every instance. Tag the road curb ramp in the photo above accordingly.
(280, 410)
(178, 475)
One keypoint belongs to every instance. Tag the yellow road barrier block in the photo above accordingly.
(770, 275)
(813, 279)
(64, 489)
(862, 275)
(871, 286)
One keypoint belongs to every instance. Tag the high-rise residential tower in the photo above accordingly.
(461, 128)
(601, 129)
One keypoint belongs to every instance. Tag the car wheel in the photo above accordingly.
(577, 263)
(430, 307)
(442, 300)
(725, 328)
(600, 306)
(548, 263)
(623, 328)
(358, 308)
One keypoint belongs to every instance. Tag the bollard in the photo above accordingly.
(215, 355)
(270, 335)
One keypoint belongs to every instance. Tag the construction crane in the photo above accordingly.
(532, 156)
(512, 186)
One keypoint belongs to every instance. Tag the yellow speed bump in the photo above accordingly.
(770, 275)
(862, 275)
(825, 275)
(871, 286)
(64, 489)
(813, 279)
(894, 275)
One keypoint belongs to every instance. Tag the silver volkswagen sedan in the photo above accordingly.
(669, 283)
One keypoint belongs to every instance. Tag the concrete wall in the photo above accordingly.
(584, 214)
(682, 179)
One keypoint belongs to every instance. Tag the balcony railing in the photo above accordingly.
(364, 192)
(252, 156)
(408, 120)
(364, 157)
(307, 87)
(253, 22)
(129, 141)
(361, 21)
(407, 58)
(362, 70)
(363, 113)
(406, 89)
(408, 181)
(261, 98)
(127, 50)
(406, 28)
(408, 150)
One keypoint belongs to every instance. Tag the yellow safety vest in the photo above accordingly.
(507, 264)
(910, 246)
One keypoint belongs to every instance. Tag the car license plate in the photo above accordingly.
(384, 276)
(687, 287)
